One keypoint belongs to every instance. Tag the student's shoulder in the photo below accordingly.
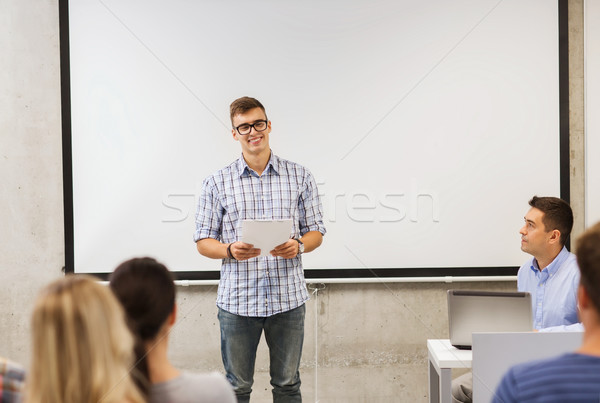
(212, 386)
(557, 379)
(290, 167)
(202, 376)
(235, 166)
(223, 173)
(188, 387)
(538, 369)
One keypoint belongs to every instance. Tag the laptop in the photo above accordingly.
(486, 311)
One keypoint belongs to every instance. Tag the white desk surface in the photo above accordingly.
(444, 355)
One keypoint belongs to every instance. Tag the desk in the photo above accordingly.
(442, 358)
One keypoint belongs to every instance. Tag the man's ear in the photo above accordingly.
(234, 134)
(554, 236)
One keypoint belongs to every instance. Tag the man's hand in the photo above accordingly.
(286, 250)
(243, 251)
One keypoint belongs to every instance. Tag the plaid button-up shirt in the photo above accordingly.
(12, 377)
(261, 286)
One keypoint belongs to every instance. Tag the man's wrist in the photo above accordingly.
(300, 246)
(229, 253)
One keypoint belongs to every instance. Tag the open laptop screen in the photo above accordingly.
(486, 311)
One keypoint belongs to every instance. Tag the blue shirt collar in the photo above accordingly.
(245, 170)
(553, 267)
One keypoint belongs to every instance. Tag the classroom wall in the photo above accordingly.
(364, 342)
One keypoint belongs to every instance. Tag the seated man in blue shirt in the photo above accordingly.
(551, 276)
(572, 377)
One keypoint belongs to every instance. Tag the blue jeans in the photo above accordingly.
(284, 333)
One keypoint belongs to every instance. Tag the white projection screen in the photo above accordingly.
(428, 125)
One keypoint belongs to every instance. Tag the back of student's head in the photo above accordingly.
(588, 259)
(557, 215)
(146, 290)
(82, 348)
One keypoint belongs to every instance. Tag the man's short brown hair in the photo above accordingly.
(557, 215)
(588, 259)
(243, 105)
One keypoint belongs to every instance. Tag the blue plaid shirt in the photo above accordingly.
(261, 286)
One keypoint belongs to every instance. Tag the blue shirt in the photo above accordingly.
(553, 290)
(568, 378)
(261, 286)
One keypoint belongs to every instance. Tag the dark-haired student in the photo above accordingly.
(551, 275)
(146, 290)
(572, 377)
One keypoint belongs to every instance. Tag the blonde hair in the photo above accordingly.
(82, 348)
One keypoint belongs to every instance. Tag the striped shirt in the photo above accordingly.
(261, 286)
(568, 378)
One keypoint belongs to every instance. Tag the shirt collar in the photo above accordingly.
(553, 267)
(245, 170)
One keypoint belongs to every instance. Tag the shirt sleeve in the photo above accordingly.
(575, 327)
(506, 392)
(209, 215)
(310, 209)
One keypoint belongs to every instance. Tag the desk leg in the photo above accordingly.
(440, 385)
(434, 384)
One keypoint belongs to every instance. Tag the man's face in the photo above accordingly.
(255, 142)
(534, 238)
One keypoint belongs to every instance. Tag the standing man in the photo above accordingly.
(572, 377)
(551, 276)
(259, 293)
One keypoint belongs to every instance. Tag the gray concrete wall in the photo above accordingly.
(31, 209)
(364, 342)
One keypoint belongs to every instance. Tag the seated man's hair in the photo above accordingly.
(557, 215)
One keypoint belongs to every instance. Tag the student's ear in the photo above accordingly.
(234, 134)
(583, 299)
(173, 315)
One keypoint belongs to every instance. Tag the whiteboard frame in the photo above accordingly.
(314, 275)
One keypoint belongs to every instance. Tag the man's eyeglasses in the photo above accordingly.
(246, 128)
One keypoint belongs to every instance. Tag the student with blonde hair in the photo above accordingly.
(82, 347)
